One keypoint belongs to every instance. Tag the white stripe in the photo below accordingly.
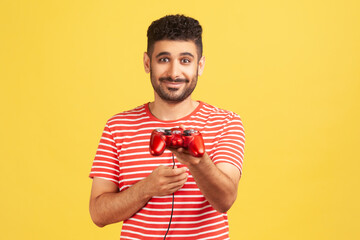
(217, 236)
(176, 235)
(100, 155)
(176, 229)
(186, 184)
(107, 145)
(163, 216)
(175, 209)
(145, 165)
(180, 203)
(220, 151)
(177, 222)
(140, 113)
(213, 115)
(234, 129)
(130, 120)
(147, 140)
(146, 159)
(235, 126)
(131, 238)
(103, 150)
(151, 123)
(136, 130)
(233, 149)
(136, 147)
(135, 172)
(134, 136)
(190, 123)
(102, 161)
(233, 139)
(226, 156)
(136, 154)
(131, 179)
(112, 169)
(107, 132)
(178, 196)
(189, 190)
(108, 139)
(106, 173)
(236, 145)
(198, 117)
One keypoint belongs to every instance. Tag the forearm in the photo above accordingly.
(107, 205)
(217, 187)
(112, 207)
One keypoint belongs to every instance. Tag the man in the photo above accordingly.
(132, 186)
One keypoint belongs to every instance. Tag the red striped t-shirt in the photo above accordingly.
(123, 157)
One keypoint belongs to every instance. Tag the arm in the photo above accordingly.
(108, 205)
(218, 183)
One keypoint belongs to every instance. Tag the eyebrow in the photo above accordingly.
(186, 54)
(167, 53)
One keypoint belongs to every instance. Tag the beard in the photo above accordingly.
(173, 95)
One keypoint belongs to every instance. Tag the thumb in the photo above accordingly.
(182, 126)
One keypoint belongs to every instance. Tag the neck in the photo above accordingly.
(169, 111)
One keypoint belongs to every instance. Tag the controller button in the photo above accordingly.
(187, 132)
(167, 132)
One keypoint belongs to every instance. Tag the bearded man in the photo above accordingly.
(174, 195)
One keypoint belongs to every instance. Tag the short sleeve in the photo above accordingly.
(106, 163)
(230, 147)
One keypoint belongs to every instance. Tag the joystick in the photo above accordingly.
(189, 139)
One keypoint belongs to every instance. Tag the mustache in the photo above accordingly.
(174, 80)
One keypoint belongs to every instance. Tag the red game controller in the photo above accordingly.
(177, 138)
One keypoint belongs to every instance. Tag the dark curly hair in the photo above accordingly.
(175, 27)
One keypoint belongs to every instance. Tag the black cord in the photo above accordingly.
(172, 205)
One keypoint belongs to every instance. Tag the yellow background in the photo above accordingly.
(290, 69)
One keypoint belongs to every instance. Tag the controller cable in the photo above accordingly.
(172, 205)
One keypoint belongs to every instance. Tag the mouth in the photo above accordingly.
(173, 84)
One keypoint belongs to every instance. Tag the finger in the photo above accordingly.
(179, 152)
(170, 172)
(163, 167)
(173, 187)
(178, 178)
(182, 150)
(182, 126)
(178, 171)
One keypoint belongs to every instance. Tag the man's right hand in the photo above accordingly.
(165, 180)
(108, 205)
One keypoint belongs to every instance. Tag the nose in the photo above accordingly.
(174, 70)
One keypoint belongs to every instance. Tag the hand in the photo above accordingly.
(165, 181)
(184, 156)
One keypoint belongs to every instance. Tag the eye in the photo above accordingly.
(185, 60)
(165, 59)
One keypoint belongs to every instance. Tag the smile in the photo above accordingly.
(171, 84)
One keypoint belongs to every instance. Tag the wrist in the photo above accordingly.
(145, 190)
(199, 162)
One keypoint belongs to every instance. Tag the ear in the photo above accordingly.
(146, 62)
(201, 65)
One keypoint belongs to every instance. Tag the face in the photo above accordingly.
(174, 68)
